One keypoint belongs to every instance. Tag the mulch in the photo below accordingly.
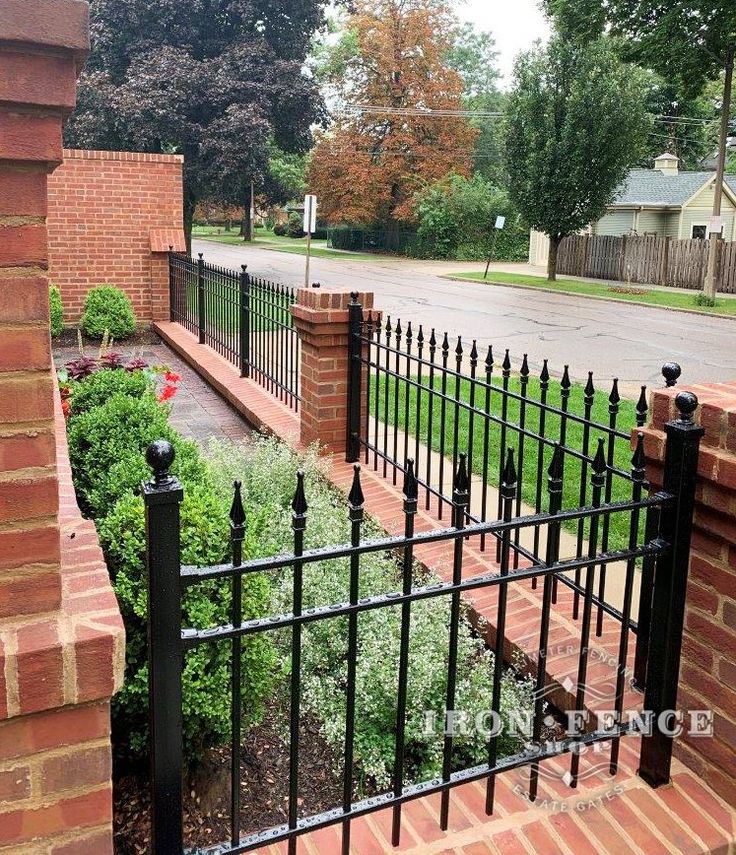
(264, 767)
(141, 338)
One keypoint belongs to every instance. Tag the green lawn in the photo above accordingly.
(643, 295)
(527, 449)
(266, 239)
(270, 310)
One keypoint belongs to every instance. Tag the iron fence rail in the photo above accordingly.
(245, 319)
(433, 399)
(667, 545)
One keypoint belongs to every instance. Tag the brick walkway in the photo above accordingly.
(605, 814)
(197, 411)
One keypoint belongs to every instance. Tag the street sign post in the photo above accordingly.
(500, 223)
(310, 226)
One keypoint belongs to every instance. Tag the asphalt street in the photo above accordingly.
(611, 339)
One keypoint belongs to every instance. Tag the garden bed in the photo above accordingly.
(264, 771)
(113, 414)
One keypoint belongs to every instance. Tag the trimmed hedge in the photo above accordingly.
(108, 309)
(56, 311)
(114, 414)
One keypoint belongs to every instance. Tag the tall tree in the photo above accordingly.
(693, 41)
(214, 80)
(367, 168)
(475, 58)
(689, 42)
(576, 122)
(674, 99)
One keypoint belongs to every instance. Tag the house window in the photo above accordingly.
(700, 232)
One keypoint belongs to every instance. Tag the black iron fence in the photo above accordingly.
(664, 541)
(245, 319)
(431, 398)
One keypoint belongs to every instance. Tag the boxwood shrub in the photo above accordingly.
(108, 309)
(56, 311)
(114, 415)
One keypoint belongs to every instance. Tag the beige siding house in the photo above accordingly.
(661, 201)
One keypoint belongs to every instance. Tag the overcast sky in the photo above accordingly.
(515, 25)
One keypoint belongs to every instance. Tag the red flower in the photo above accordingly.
(66, 407)
(172, 377)
(167, 393)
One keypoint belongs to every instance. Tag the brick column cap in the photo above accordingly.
(51, 23)
(325, 313)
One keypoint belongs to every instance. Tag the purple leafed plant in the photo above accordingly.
(81, 367)
(112, 360)
(136, 364)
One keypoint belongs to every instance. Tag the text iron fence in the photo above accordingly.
(664, 542)
(245, 319)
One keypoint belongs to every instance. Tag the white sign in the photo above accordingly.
(310, 214)
(500, 222)
(715, 225)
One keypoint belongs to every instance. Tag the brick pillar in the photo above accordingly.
(321, 319)
(708, 671)
(60, 630)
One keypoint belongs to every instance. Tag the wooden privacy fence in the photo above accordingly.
(646, 259)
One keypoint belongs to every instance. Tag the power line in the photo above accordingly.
(444, 112)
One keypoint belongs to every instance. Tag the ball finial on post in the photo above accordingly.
(160, 455)
(686, 403)
(671, 372)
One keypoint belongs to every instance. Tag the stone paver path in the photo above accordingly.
(197, 411)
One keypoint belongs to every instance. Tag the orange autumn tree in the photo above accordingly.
(383, 148)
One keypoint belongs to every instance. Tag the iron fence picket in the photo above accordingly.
(168, 579)
(245, 319)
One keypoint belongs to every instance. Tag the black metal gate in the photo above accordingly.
(658, 528)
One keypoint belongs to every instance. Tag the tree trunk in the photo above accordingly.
(246, 229)
(190, 203)
(554, 244)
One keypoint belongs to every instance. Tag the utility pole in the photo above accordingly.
(709, 287)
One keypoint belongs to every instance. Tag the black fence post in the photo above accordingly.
(355, 373)
(172, 286)
(162, 496)
(244, 321)
(200, 298)
(670, 588)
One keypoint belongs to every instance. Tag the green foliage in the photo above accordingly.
(115, 415)
(287, 171)
(702, 299)
(108, 309)
(206, 674)
(576, 123)
(294, 227)
(269, 472)
(457, 219)
(107, 446)
(475, 58)
(684, 40)
(280, 229)
(56, 311)
(99, 387)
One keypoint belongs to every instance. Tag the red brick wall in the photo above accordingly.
(61, 636)
(708, 670)
(102, 208)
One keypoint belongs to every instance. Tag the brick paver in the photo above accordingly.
(197, 411)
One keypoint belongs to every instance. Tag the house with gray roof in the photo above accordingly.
(661, 201)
